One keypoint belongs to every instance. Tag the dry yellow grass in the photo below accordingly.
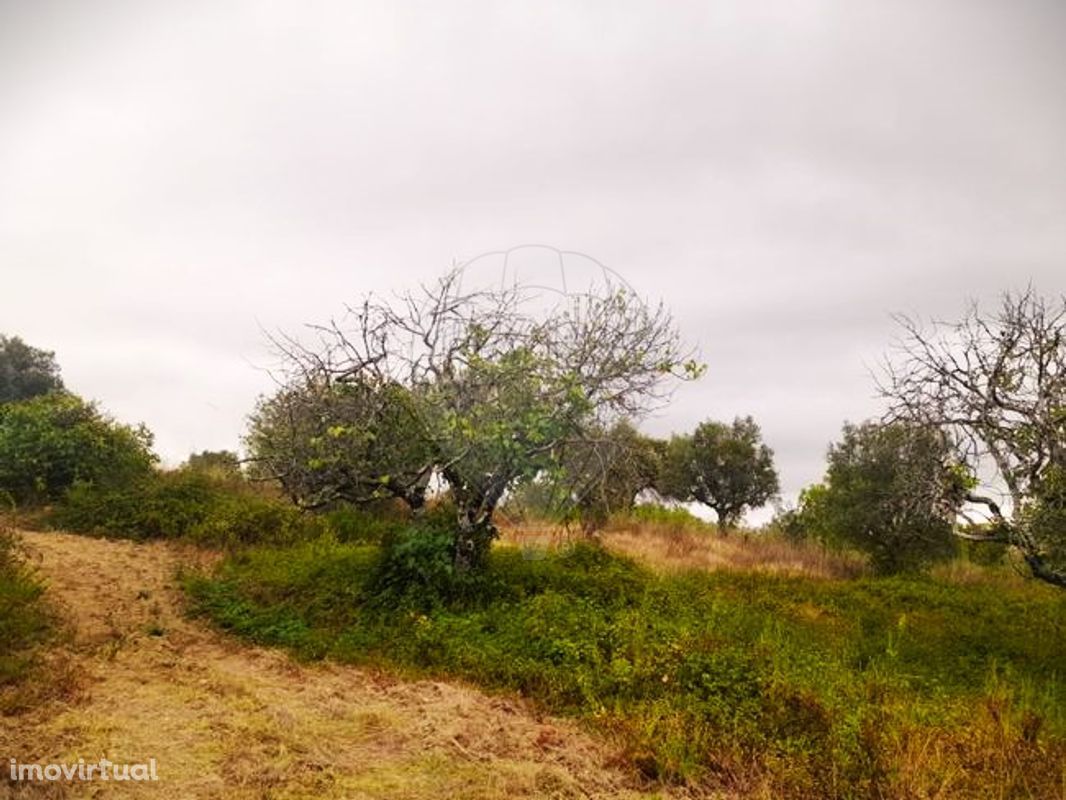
(224, 720)
(674, 548)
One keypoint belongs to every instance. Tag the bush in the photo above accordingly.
(788, 523)
(223, 464)
(366, 526)
(211, 508)
(890, 492)
(24, 622)
(184, 504)
(679, 518)
(50, 443)
(417, 568)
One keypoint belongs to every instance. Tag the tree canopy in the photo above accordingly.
(602, 472)
(725, 467)
(25, 371)
(890, 491)
(49, 443)
(498, 380)
(352, 441)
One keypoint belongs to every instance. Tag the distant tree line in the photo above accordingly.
(493, 398)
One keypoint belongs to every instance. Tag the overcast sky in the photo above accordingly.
(175, 176)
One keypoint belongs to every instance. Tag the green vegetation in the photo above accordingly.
(725, 467)
(653, 514)
(209, 509)
(24, 622)
(25, 371)
(601, 474)
(890, 491)
(327, 442)
(181, 504)
(51, 442)
(810, 688)
(1044, 519)
(220, 463)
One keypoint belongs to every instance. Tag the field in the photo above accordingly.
(782, 675)
(225, 719)
(666, 661)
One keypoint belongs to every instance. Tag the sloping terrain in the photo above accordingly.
(223, 719)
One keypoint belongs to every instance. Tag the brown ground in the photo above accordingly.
(225, 720)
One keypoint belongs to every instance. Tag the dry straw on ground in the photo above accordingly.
(673, 548)
(224, 720)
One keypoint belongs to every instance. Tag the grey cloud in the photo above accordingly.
(784, 174)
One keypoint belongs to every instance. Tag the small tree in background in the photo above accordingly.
(49, 443)
(218, 463)
(25, 371)
(602, 472)
(725, 467)
(890, 491)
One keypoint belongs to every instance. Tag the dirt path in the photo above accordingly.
(223, 719)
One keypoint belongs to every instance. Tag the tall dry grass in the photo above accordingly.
(674, 547)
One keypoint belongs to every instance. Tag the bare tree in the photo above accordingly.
(501, 378)
(997, 384)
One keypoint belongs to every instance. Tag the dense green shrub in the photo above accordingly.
(214, 509)
(891, 492)
(818, 687)
(366, 526)
(24, 621)
(417, 568)
(661, 515)
(51, 442)
(184, 503)
(788, 522)
(219, 463)
(1045, 519)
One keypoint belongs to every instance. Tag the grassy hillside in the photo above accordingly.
(797, 685)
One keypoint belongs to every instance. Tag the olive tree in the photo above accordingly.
(725, 467)
(996, 381)
(602, 471)
(890, 491)
(351, 441)
(25, 371)
(500, 378)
